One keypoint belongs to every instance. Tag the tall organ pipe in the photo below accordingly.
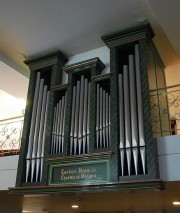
(81, 113)
(37, 126)
(100, 116)
(139, 97)
(133, 107)
(85, 114)
(104, 118)
(32, 128)
(39, 144)
(53, 132)
(88, 114)
(127, 117)
(121, 123)
(76, 116)
(97, 117)
(44, 134)
(107, 120)
(58, 106)
(140, 108)
(62, 144)
(61, 124)
(58, 125)
(72, 120)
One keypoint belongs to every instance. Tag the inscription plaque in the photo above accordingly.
(84, 172)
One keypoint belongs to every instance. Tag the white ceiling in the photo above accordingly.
(75, 26)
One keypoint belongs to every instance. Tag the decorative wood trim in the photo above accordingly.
(59, 87)
(84, 65)
(45, 60)
(77, 158)
(128, 35)
(102, 77)
(100, 186)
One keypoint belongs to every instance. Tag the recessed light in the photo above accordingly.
(26, 211)
(176, 203)
(75, 206)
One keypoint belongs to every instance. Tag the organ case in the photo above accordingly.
(98, 125)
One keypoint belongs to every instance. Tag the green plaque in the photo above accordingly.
(81, 172)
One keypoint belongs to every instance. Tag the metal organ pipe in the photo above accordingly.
(97, 117)
(88, 113)
(61, 124)
(131, 117)
(81, 108)
(34, 157)
(121, 122)
(133, 107)
(72, 120)
(79, 134)
(32, 127)
(44, 135)
(102, 118)
(39, 145)
(76, 116)
(59, 106)
(85, 115)
(107, 120)
(58, 126)
(127, 117)
(53, 131)
(140, 108)
(62, 143)
(37, 126)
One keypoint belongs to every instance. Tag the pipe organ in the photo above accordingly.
(102, 118)
(132, 143)
(95, 131)
(79, 134)
(36, 142)
(57, 141)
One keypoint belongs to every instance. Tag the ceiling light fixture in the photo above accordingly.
(139, 17)
(75, 206)
(176, 203)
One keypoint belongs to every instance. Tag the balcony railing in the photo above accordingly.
(10, 135)
(165, 108)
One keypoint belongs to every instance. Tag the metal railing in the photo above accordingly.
(165, 110)
(10, 135)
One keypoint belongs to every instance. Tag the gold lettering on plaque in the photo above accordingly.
(77, 174)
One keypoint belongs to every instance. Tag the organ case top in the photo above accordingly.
(95, 131)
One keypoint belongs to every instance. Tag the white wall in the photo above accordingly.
(169, 157)
(8, 171)
(13, 92)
